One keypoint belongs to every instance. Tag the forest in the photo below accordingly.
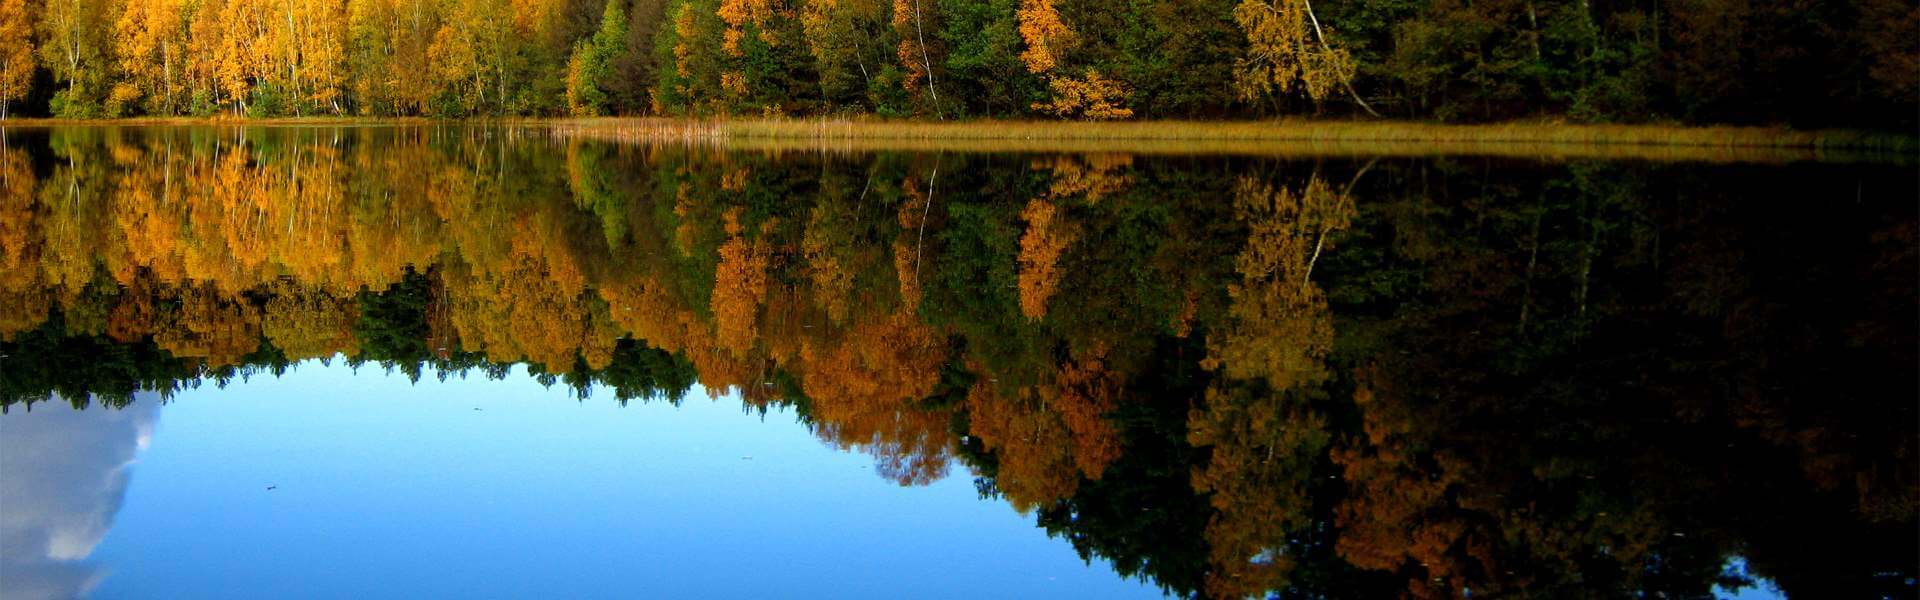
(1802, 63)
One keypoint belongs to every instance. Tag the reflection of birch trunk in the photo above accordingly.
(1345, 82)
(293, 190)
(1326, 227)
(1533, 260)
(921, 237)
(166, 176)
(1586, 265)
(1307, 278)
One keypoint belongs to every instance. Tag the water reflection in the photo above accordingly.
(1230, 375)
(63, 475)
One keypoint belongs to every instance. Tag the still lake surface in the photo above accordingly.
(449, 361)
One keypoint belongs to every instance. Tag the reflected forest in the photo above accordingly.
(1230, 376)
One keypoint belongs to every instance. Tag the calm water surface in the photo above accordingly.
(477, 362)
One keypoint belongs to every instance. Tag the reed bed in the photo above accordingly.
(1533, 140)
(219, 121)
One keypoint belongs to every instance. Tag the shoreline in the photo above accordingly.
(1282, 138)
(1545, 139)
(1516, 132)
(1147, 130)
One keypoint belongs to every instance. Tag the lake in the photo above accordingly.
(500, 361)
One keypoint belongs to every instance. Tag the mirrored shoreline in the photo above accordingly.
(1225, 375)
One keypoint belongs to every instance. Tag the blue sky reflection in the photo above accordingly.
(390, 489)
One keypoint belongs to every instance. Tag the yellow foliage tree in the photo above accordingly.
(1090, 96)
(911, 20)
(738, 14)
(238, 60)
(1046, 238)
(16, 53)
(866, 387)
(1281, 328)
(1091, 176)
(203, 49)
(1048, 437)
(324, 53)
(1046, 35)
(835, 31)
(148, 40)
(1286, 47)
(739, 287)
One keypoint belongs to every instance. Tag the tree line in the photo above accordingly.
(1803, 62)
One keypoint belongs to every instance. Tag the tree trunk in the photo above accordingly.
(919, 31)
(1317, 34)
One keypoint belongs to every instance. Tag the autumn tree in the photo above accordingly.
(328, 70)
(239, 58)
(1287, 48)
(742, 16)
(1086, 93)
(74, 47)
(1694, 60)
(839, 34)
(149, 34)
(1047, 37)
(202, 45)
(16, 53)
(916, 22)
(1090, 96)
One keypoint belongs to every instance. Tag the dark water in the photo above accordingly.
(945, 374)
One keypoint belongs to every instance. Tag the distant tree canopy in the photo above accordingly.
(1802, 62)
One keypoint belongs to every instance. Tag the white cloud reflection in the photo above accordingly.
(63, 475)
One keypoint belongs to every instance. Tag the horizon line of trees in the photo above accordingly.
(1803, 62)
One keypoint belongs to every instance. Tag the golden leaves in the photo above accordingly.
(16, 52)
(909, 23)
(685, 32)
(1041, 245)
(1046, 35)
(1279, 333)
(738, 14)
(1090, 175)
(739, 287)
(1281, 328)
(1090, 96)
(1048, 436)
(1285, 48)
